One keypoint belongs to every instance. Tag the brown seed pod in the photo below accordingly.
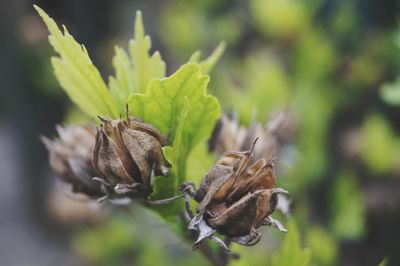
(126, 154)
(229, 135)
(235, 198)
(70, 157)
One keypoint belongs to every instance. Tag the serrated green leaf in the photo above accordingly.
(207, 64)
(195, 57)
(145, 67)
(180, 108)
(133, 72)
(291, 253)
(196, 126)
(76, 73)
(164, 100)
(122, 84)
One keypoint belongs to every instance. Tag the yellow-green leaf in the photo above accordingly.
(164, 100)
(76, 72)
(181, 109)
(134, 71)
(207, 64)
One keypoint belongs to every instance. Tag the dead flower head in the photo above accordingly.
(70, 157)
(229, 135)
(126, 154)
(236, 197)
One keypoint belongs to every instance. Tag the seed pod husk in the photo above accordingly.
(236, 197)
(230, 136)
(70, 157)
(126, 154)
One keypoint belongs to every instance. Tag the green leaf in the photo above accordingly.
(199, 162)
(207, 64)
(291, 253)
(76, 73)
(122, 84)
(163, 102)
(390, 92)
(384, 262)
(180, 108)
(195, 124)
(133, 72)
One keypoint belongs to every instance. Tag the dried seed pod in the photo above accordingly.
(229, 135)
(70, 157)
(125, 154)
(236, 197)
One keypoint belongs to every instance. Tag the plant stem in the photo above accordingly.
(215, 258)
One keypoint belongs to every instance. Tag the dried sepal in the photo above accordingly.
(70, 157)
(235, 198)
(126, 154)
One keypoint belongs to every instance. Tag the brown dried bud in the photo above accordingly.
(230, 136)
(125, 154)
(237, 197)
(70, 158)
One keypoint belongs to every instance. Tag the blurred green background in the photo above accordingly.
(332, 64)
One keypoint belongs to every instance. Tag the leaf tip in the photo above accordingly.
(46, 18)
(38, 9)
(139, 28)
(221, 46)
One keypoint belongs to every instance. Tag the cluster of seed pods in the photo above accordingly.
(119, 159)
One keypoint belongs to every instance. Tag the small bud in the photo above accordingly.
(237, 197)
(126, 154)
(70, 157)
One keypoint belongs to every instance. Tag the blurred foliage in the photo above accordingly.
(381, 148)
(259, 87)
(108, 245)
(126, 241)
(291, 252)
(391, 93)
(347, 208)
(323, 244)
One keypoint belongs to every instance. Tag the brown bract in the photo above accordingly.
(126, 154)
(237, 197)
(70, 157)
